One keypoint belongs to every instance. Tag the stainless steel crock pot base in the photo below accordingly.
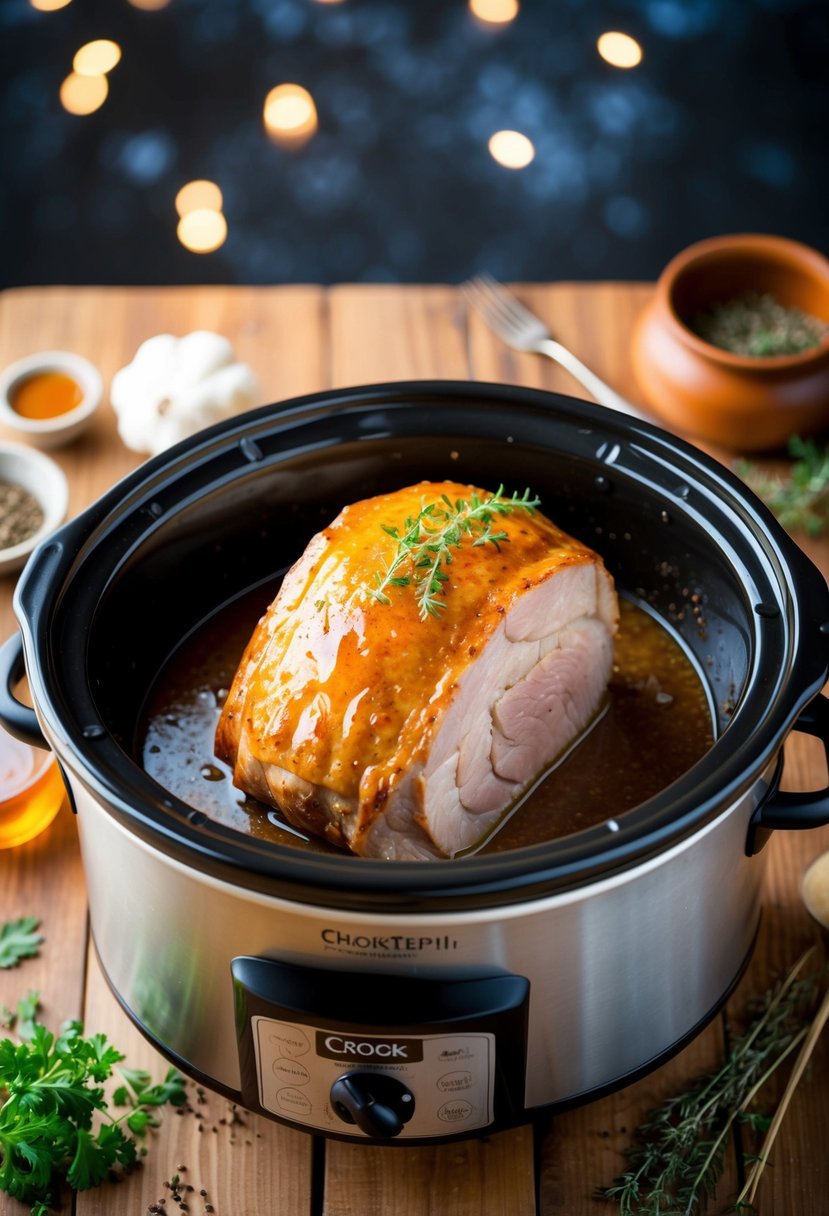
(620, 970)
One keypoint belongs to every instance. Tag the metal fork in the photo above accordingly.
(522, 329)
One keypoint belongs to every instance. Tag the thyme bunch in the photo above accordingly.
(423, 546)
(679, 1150)
(800, 501)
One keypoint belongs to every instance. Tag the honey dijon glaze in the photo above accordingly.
(403, 737)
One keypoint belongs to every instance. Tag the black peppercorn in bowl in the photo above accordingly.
(415, 1001)
(33, 498)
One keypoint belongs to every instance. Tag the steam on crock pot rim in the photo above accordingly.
(786, 669)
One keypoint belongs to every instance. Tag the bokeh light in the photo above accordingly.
(83, 94)
(494, 12)
(49, 6)
(200, 195)
(290, 114)
(202, 230)
(619, 50)
(511, 149)
(149, 6)
(97, 58)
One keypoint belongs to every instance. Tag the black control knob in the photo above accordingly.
(377, 1103)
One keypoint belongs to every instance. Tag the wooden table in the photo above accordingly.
(300, 339)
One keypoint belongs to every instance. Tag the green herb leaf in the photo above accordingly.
(424, 547)
(679, 1150)
(801, 500)
(19, 939)
(55, 1123)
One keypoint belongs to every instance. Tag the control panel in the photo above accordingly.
(403, 1060)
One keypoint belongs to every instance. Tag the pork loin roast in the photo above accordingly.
(404, 734)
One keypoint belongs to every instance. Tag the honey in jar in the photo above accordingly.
(45, 395)
(31, 790)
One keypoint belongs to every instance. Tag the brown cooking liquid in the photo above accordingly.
(657, 724)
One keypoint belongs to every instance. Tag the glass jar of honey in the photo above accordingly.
(31, 790)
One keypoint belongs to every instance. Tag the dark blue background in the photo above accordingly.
(721, 129)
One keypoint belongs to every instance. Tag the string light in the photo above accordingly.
(511, 149)
(202, 230)
(494, 12)
(619, 50)
(290, 115)
(202, 227)
(49, 6)
(83, 94)
(97, 58)
(200, 195)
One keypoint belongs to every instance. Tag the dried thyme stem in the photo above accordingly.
(426, 542)
(748, 1192)
(679, 1153)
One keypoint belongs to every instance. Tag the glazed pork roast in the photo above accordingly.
(402, 713)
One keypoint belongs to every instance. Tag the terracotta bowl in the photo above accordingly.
(744, 402)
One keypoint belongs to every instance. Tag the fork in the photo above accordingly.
(523, 330)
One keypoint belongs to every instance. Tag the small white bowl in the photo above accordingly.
(23, 466)
(63, 428)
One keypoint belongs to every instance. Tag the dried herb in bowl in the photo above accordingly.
(20, 515)
(758, 325)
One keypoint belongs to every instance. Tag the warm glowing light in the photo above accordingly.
(202, 230)
(97, 58)
(49, 6)
(496, 12)
(511, 149)
(329, 1)
(149, 6)
(290, 114)
(83, 94)
(199, 195)
(620, 50)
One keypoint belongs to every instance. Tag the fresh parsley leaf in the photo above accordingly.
(55, 1122)
(19, 939)
(22, 1018)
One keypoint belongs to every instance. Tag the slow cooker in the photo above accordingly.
(412, 1002)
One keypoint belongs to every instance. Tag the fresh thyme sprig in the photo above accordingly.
(423, 547)
(801, 500)
(679, 1151)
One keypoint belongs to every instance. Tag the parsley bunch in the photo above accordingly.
(55, 1124)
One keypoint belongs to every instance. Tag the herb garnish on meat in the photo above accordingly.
(423, 546)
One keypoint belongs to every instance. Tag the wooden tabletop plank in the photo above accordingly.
(493, 1176)
(247, 1165)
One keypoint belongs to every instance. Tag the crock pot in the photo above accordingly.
(413, 1002)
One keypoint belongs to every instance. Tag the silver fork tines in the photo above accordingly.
(504, 314)
(523, 330)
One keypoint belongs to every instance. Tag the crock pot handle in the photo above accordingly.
(19, 720)
(789, 810)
